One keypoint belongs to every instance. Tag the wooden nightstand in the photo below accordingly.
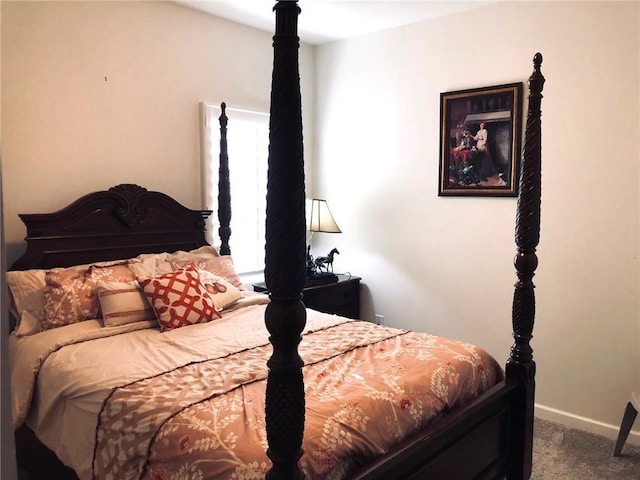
(341, 297)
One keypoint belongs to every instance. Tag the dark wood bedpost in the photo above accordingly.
(520, 367)
(285, 263)
(224, 186)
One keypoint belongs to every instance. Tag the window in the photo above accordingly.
(248, 148)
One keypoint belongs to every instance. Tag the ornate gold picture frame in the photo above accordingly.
(480, 141)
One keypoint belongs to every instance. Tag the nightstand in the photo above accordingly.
(341, 297)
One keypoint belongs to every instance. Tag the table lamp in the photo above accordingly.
(320, 220)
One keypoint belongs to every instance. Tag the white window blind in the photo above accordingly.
(248, 149)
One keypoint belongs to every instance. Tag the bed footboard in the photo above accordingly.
(472, 442)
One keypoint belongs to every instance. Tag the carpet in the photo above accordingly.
(563, 453)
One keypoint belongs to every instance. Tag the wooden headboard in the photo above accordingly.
(121, 222)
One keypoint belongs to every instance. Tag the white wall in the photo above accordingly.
(100, 93)
(444, 265)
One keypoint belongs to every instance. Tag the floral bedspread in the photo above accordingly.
(367, 388)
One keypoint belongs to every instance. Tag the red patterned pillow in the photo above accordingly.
(179, 298)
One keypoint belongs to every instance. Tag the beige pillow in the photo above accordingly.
(26, 288)
(221, 266)
(150, 265)
(221, 291)
(206, 251)
(123, 302)
(205, 258)
(29, 324)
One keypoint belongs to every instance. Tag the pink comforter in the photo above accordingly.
(367, 388)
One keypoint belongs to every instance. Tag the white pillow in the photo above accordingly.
(123, 302)
(222, 292)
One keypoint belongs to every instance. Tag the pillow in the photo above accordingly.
(221, 291)
(221, 266)
(123, 302)
(150, 265)
(111, 272)
(28, 325)
(26, 288)
(71, 295)
(206, 251)
(205, 258)
(179, 298)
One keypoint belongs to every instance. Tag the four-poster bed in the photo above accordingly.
(493, 435)
(487, 436)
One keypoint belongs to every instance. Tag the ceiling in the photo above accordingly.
(323, 21)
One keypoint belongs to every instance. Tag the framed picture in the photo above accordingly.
(480, 141)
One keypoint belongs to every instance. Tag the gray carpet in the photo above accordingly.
(562, 453)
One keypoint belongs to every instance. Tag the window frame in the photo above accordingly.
(238, 152)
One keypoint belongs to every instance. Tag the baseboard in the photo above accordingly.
(585, 423)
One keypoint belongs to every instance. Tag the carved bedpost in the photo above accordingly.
(224, 186)
(285, 265)
(520, 366)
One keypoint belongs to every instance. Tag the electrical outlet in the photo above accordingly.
(379, 319)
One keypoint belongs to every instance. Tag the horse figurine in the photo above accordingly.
(326, 262)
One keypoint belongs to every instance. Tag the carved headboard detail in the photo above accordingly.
(121, 222)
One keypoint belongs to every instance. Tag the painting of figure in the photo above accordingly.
(480, 141)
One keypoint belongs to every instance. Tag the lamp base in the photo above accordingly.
(320, 278)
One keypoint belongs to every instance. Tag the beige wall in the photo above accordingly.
(7, 452)
(100, 93)
(444, 265)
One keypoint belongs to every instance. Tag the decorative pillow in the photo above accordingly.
(123, 302)
(71, 295)
(221, 291)
(179, 298)
(221, 266)
(27, 287)
(117, 272)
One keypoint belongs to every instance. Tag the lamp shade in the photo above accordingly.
(320, 218)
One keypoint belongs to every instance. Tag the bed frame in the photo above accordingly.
(119, 223)
(492, 437)
(489, 438)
